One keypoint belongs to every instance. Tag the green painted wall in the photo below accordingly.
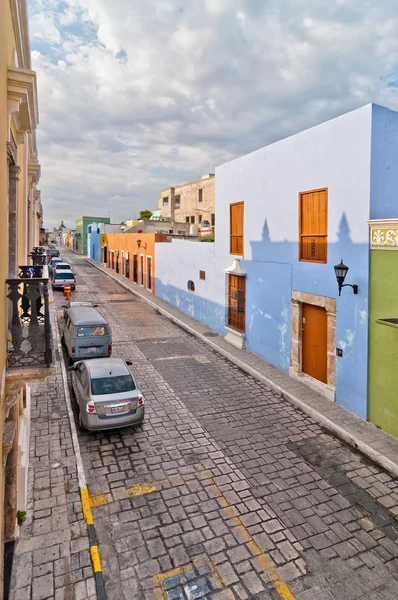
(383, 341)
(81, 227)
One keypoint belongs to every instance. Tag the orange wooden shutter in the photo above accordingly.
(313, 226)
(236, 231)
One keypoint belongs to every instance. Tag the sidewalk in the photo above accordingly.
(52, 558)
(379, 446)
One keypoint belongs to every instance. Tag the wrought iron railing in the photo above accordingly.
(30, 337)
(39, 256)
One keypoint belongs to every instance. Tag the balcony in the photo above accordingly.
(30, 337)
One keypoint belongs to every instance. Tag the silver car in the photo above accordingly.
(106, 394)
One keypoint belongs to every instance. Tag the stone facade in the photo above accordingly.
(192, 202)
(21, 215)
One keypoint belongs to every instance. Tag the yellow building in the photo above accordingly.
(21, 219)
(69, 240)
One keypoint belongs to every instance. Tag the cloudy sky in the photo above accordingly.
(137, 95)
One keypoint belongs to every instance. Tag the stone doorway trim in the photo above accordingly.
(329, 304)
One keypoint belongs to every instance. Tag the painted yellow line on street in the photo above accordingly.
(86, 506)
(263, 559)
(98, 500)
(95, 559)
(140, 489)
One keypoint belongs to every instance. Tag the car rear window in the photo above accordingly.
(64, 275)
(90, 331)
(112, 385)
(63, 267)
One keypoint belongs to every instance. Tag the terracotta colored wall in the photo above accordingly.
(127, 242)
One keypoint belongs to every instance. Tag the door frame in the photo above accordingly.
(329, 304)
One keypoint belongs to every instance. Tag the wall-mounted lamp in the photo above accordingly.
(341, 271)
(139, 244)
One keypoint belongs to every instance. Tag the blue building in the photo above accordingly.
(97, 238)
(286, 215)
(94, 231)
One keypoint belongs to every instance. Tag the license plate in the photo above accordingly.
(92, 350)
(117, 409)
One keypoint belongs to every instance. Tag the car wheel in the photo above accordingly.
(81, 426)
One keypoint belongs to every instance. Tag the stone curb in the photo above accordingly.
(337, 430)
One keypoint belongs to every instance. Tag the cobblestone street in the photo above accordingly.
(226, 491)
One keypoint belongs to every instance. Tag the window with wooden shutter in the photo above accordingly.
(236, 228)
(236, 302)
(313, 226)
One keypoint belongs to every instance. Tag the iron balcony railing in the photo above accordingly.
(39, 256)
(30, 337)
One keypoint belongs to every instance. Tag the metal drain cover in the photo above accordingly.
(210, 334)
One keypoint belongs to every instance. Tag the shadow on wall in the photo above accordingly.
(275, 271)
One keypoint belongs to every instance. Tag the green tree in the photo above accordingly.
(145, 215)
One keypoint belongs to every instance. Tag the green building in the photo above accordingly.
(80, 243)
(383, 325)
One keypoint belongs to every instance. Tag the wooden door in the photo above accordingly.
(142, 270)
(314, 342)
(149, 272)
(135, 269)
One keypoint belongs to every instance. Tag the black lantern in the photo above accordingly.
(341, 271)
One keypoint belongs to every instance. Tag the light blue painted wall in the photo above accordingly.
(93, 241)
(181, 261)
(355, 157)
(384, 170)
(335, 155)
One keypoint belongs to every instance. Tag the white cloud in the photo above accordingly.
(136, 96)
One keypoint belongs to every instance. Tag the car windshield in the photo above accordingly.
(63, 267)
(90, 331)
(64, 275)
(112, 385)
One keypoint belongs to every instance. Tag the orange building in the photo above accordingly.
(133, 255)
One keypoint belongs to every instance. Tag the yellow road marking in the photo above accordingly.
(263, 559)
(86, 506)
(159, 578)
(140, 489)
(95, 559)
(98, 500)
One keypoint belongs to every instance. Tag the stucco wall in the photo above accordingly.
(189, 201)
(181, 261)
(383, 341)
(128, 242)
(384, 170)
(335, 155)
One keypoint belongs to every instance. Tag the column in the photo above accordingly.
(13, 178)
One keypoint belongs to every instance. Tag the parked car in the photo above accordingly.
(87, 334)
(75, 303)
(106, 393)
(56, 261)
(61, 266)
(53, 251)
(62, 278)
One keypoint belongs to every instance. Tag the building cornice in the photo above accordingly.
(34, 171)
(22, 98)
